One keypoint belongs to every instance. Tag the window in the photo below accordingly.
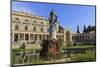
(34, 28)
(17, 18)
(72, 37)
(16, 27)
(15, 37)
(26, 37)
(42, 29)
(34, 21)
(41, 22)
(26, 20)
(26, 28)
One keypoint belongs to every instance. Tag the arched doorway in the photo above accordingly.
(69, 38)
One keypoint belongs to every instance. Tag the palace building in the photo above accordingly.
(32, 29)
(84, 38)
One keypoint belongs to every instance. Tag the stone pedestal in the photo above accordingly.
(50, 49)
(53, 30)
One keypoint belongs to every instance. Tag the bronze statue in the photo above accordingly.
(53, 24)
(52, 17)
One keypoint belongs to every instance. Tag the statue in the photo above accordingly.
(53, 17)
(53, 23)
(51, 46)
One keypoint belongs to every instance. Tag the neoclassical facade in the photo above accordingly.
(89, 38)
(32, 29)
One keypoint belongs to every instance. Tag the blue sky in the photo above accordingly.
(69, 16)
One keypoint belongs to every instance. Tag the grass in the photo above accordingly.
(40, 61)
(89, 56)
(23, 50)
(78, 46)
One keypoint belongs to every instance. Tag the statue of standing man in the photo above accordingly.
(53, 23)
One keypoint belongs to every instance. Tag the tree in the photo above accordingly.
(89, 28)
(78, 29)
(84, 31)
(94, 28)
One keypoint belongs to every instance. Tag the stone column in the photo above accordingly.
(33, 37)
(24, 36)
(18, 37)
(12, 37)
(45, 36)
(70, 37)
(42, 36)
(64, 35)
(38, 37)
(29, 37)
(24, 39)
